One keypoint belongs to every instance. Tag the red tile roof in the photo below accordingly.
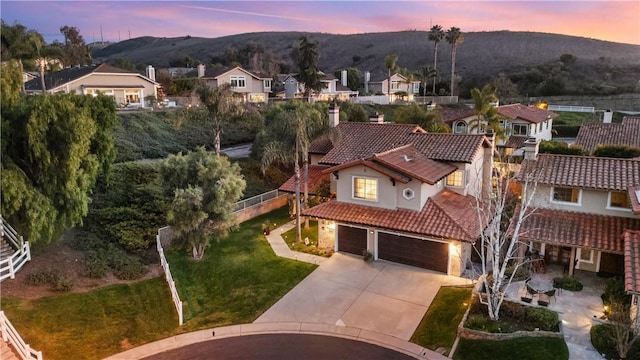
(627, 133)
(516, 141)
(568, 228)
(408, 160)
(584, 172)
(449, 147)
(371, 165)
(320, 146)
(446, 215)
(528, 113)
(632, 261)
(450, 115)
(316, 178)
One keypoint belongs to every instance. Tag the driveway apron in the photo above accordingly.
(380, 296)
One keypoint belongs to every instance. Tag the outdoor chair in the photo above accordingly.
(551, 294)
(531, 290)
(543, 299)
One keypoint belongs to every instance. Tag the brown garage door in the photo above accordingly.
(352, 240)
(611, 264)
(415, 252)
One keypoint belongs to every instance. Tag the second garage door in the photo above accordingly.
(352, 240)
(426, 254)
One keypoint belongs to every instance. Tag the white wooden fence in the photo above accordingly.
(167, 274)
(11, 336)
(585, 109)
(11, 265)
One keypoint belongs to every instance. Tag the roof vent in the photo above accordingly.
(406, 158)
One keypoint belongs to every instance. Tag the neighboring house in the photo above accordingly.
(522, 122)
(250, 86)
(632, 271)
(587, 215)
(127, 88)
(590, 136)
(402, 194)
(399, 84)
(29, 75)
(461, 121)
(331, 90)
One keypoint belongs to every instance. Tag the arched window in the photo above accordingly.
(460, 127)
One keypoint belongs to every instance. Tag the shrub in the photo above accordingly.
(512, 310)
(602, 340)
(482, 323)
(568, 283)
(95, 266)
(63, 283)
(544, 319)
(521, 274)
(42, 277)
(614, 292)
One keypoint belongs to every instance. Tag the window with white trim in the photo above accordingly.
(619, 200)
(416, 88)
(266, 84)
(238, 81)
(566, 195)
(585, 255)
(519, 129)
(455, 179)
(395, 85)
(365, 188)
(460, 127)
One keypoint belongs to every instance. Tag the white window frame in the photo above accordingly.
(395, 85)
(513, 130)
(462, 179)
(416, 88)
(611, 207)
(240, 80)
(266, 84)
(366, 178)
(591, 256)
(551, 199)
(457, 124)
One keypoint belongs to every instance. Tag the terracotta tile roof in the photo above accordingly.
(516, 141)
(450, 115)
(320, 146)
(634, 196)
(627, 133)
(446, 215)
(449, 147)
(584, 172)
(568, 228)
(316, 177)
(392, 173)
(632, 261)
(528, 113)
(361, 140)
(408, 160)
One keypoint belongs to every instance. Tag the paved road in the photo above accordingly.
(281, 346)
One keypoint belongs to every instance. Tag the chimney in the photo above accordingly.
(344, 78)
(367, 77)
(201, 70)
(607, 116)
(334, 115)
(377, 118)
(151, 73)
(531, 147)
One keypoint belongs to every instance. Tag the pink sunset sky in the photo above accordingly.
(617, 21)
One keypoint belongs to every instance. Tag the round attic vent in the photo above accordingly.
(408, 193)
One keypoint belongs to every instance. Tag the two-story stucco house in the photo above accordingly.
(331, 90)
(403, 194)
(128, 88)
(587, 214)
(522, 122)
(249, 86)
(399, 84)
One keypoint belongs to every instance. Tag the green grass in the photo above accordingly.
(311, 233)
(439, 325)
(239, 278)
(572, 118)
(521, 349)
(95, 324)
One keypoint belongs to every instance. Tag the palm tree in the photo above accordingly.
(295, 125)
(390, 62)
(436, 34)
(428, 73)
(454, 37)
(484, 110)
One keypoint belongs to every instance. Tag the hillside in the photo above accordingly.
(486, 52)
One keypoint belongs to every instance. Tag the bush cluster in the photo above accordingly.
(50, 277)
(543, 319)
(568, 283)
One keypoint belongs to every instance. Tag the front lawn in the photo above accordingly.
(311, 234)
(521, 349)
(439, 325)
(239, 278)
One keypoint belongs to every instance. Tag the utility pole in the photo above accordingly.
(101, 36)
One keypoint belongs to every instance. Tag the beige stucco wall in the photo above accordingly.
(314, 159)
(386, 190)
(592, 201)
(118, 82)
(583, 265)
(427, 191)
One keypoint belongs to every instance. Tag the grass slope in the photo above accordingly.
(521, 349)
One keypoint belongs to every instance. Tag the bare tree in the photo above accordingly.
(499, 241)
(624, 334)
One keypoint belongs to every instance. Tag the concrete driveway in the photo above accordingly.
(379, 296)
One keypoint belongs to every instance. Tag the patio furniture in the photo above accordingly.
(551, 294)
(543, 300)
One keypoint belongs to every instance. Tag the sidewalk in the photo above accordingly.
(281, 248)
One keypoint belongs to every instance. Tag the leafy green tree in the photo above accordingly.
(504, 86)
(436, 34)
(202, 184)
(391, 64)
(354, 77)
(485, 112)
(454, 37)
(75, 48)
(418, 114)
(54, 148)
(307, 61)
(616, 151)
(291, 128)
(19, 43)
(555, 147)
